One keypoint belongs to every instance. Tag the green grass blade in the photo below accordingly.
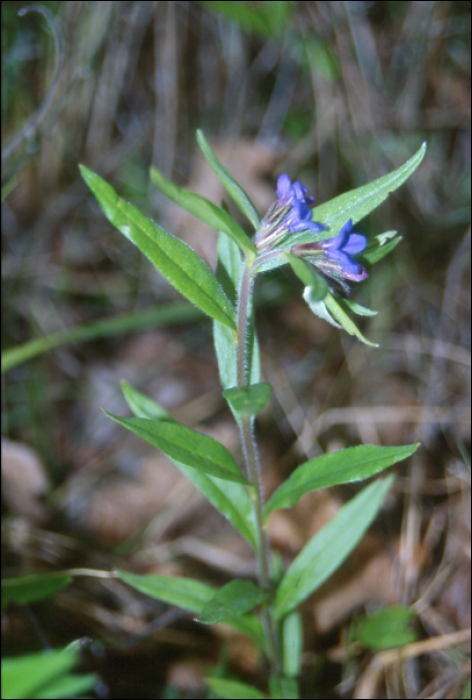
(174, 312)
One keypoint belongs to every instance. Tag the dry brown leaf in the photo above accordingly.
(24, 480)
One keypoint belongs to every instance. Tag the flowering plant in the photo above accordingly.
(326, 254)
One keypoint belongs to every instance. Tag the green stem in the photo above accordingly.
(253, 468)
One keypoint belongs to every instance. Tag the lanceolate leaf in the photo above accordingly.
(357, 308)
(142, 406)
(27, 589)
(232, 601)
(379, 247)
(345, 321)
(203, 209)
(198, 451)
(189, 594)
(359, 202)
(342, 467)
(184, 592)
(326, 551)
(235, 191)
(42, 674)
(171, 256)
(230, 498)
(333, 310)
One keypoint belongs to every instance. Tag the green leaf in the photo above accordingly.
(142, 406)
(292, 635)
(187, 446)
(331, 310)
(235, 191)
(234, 690)
(359, 202)
(310, 278)
(32, 676)
(232, 601)
(248, 400)
(69, 686)
(228, 273)
(380, 246)
(203, 209)
(231, 499)
(171, 256)
(387, 628)
(225, 349)
(342, 467)
(319, 307)
(188, 594)
(284, 688)
(327, 550)
(337, 312)
(357, 308)
(28, 589)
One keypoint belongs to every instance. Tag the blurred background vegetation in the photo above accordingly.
(334, 94)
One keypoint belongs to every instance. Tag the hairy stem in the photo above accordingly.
(253, 468)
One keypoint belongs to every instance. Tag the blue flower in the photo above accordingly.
(299, 215)
(291, 213)
(286, 192)
(343, 246)
(333, 256)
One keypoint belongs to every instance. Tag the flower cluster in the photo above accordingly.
(333, 256)
(291, 213)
